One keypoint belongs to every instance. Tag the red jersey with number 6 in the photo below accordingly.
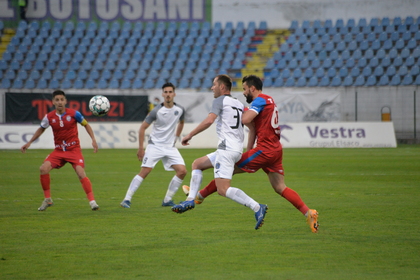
(266, 122)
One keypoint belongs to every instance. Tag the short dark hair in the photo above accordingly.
(226, 80)
(252, 80)
(168, 85)
(58, 92)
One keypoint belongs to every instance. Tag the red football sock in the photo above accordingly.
(87, 186)
(209, 189)
(295, 199)
(45, 183)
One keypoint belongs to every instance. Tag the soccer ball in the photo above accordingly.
(99, 105)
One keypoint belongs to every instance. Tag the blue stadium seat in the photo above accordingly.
(398, 61)
(407, 80)
(410, 61)
(402, 71)
(29, 84)
(415, 70)
(325, 81)
(313, 81)
(391, 71)
(278, 82)
(336, 81)
(348, 81)
(343, 72)
(331, 72)
(301, 82)
(17, 83)
(360, 81)
(54, 84)
(10, 74)
(379, 71)
(362, 62)
(316, 63)
(6, 83)
(355, 72)
(290, 82)
(383, 81)
(319, 73)
(367, 71)
(371, 81)
(395, 81)
(34, 75)
(374, 62)
(417, 81)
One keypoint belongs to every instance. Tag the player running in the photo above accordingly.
(63, 122)
(262, 119)
(228, 112)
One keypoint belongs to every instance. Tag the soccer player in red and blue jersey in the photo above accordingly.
(262, 120)
(63, 122)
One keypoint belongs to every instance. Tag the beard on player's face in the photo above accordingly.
(248, 96)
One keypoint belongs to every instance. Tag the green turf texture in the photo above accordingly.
(368, 202)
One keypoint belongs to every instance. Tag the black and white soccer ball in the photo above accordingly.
(99, 105)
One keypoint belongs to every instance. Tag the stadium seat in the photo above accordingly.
(336, 81)
(379, 71)
(348, 81)
(17, 83)
(313, 82)
(29, 84)
(290, 82)
(407, 80)
(410, 61)
(415, 70)
(402, 71)
(383, 81)
(417, 81)
(398, 61)
(360, 81)
(301, 82)
(325, 81)
(371, 81)
(391, 71)
(395, 81)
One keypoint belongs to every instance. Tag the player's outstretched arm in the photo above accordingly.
(206, 123)
(36, 135)
(89, 130)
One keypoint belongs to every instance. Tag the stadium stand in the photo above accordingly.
(375, 52)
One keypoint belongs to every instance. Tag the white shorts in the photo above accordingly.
(224, 163)
(169, 156)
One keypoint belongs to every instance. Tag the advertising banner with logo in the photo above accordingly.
(111, 10)
(293, 135)
(338, 135)
(32, 107)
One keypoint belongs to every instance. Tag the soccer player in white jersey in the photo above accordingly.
(227, 112)
(168, 118)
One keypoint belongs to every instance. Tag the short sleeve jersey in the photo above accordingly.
(266, 122)
(66, 136)
(229, 125)
(166, 120)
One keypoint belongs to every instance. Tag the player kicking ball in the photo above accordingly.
(264, 150)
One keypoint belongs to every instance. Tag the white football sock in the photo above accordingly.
(134, 185)
(241, 197)
(195, 183)
(172, 188)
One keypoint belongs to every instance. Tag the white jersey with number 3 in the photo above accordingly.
(229, 125)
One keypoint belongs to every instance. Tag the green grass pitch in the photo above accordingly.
(368, 200)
